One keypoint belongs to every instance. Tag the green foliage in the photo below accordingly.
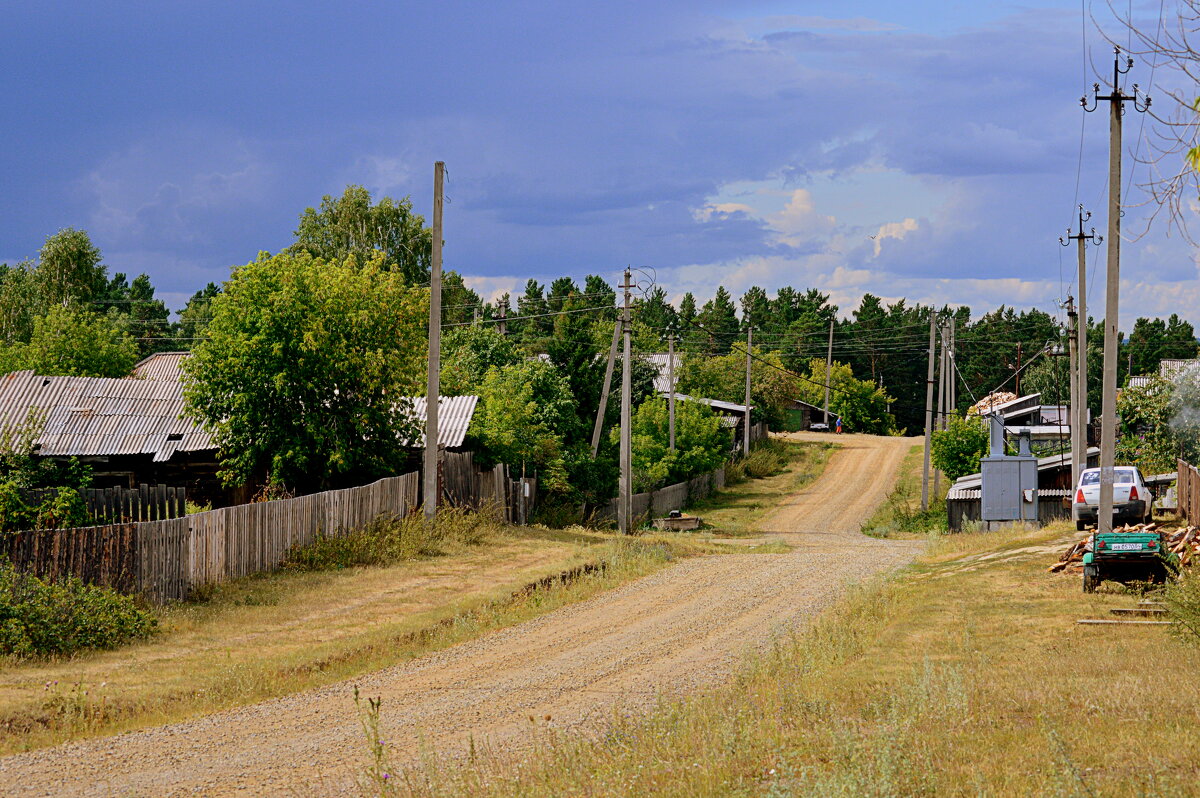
(69, 268)
(70, 341)
(39, 618)
(22, 472)
(303, 373)
(390, 540)
(701, 443)
(957, 450)
(468, 353)
(861, 405)
(1159, 423)
(1183, 602)
(718, 322)
(195, 316)
(387, 232)
(1154, 340)
(524, 409)
(772, 387)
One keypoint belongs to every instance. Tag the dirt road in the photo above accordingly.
(680, 629)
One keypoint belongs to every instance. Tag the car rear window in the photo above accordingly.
(1124, 476)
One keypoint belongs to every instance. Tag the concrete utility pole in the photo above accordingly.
(625, 509)
(1108, 415)
(953, 364)
(1073, 378)
(1017, 373)
(828, 368)
(940, 420)
(749, 349)
(603, 409)
(433, 386)
(671, 389)
(502, 306)
(1079, 410)
(928, 410)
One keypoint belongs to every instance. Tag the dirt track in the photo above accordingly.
(680, 629)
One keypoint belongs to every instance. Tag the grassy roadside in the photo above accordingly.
(900, 516)
(735, 510)
(965, 675)
(280, 633)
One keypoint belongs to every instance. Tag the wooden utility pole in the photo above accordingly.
(1079, 408)
(746, 431)
(625, 504)
(671, 389)
(828, 368)
(1073, 378)
(433, 386)
(608, 372)
(928, 410)
(1112, 288)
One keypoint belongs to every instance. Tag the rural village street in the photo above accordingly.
(683, 628)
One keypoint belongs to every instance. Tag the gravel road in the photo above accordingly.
(680, 629)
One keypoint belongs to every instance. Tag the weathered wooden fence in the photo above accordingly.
(122, 505)
(1187, 490)
(465, 485)
(168, 559)
(672, 497)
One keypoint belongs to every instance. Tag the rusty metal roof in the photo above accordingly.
(454, 417)
(160, 366)
(100, 416)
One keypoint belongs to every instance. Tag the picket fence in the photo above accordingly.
(168, 559)
(122, 505)
(1187, 488)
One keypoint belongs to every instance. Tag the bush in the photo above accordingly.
(1183, 602)
(386, 541)
(957, 450)
(40, 618)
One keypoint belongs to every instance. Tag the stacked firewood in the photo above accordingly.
(1183, 541)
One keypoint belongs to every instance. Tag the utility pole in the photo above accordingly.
(625, 508)
(953, 364)
(603, 409)
(671, 388)
(433, 386)
(928, 409)
(1108, 415)
(1017, 373)
(940, 420)
(828, 369)
(746, 431)
(1079, 409)
(1073, 378)
(502, 306)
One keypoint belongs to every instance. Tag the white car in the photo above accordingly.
(1132, 500)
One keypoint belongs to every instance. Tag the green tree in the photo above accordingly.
(303, 372)
(352, 225)
(69, 268)
(862, 406)
(70, 341)
(195, 316)
(957, 450)
(772, 387)
(19, 302)
(146, 318)
(468, 353)
(701, 443)
(719, 323)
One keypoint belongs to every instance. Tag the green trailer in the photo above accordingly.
(1125, 557)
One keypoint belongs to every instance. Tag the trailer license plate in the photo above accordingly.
(1127, 547)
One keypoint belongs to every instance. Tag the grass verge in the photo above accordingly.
(292, 630)
(783, 468)
(965, 675)
(900, 515)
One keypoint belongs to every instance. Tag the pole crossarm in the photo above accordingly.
(1140, 101)
(1081, 236)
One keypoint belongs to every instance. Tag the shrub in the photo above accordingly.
(957, 450)
(1183, 602)
(390, 540)
(40, 618)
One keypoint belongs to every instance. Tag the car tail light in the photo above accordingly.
(1079, 497)
(1133, 493)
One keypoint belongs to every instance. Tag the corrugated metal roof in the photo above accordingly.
(160, 366)
(975, 494)
(454, 418)
(661, 361)
(99, 416)
(715, 404)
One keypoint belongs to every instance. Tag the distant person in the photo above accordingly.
(839, 425)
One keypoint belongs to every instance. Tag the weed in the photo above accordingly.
(1183, 602)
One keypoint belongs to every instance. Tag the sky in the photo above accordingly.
(928, 150)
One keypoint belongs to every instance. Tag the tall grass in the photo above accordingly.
(767, 458)
(901, 515)
(386, 541)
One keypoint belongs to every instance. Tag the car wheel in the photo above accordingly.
(1091, 578)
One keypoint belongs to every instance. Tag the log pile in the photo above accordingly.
(991, 401)
(1182, 541)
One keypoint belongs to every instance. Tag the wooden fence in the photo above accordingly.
(465, 485)
(659, 502)
(1187, 490)
(123, 505)
(170, 558)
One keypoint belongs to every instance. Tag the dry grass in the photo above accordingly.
(901, 515)
(735, 511)
(966, 675)
(276, 634)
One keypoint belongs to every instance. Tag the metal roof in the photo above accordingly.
(974, 494)
(160, 366)
(1048, 463)
(100, 416)
(454, 418)
(661, 362)
(715, 404)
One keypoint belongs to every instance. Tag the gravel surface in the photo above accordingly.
(680, 629)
